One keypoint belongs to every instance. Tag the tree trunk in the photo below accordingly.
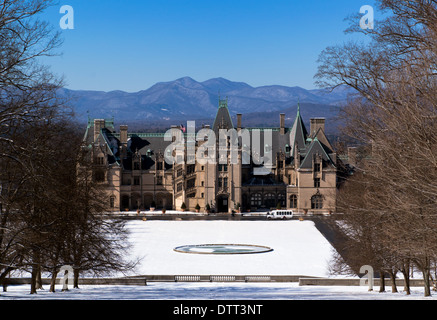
(406, 272)
(394, 288)
(382, 282)
(76, 278)
(3, 280)
(39, 279)
(433, 282)
(427, 282)
(53, 281)
(34, 275)
(5, 285)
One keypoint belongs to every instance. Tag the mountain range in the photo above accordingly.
(187, 99)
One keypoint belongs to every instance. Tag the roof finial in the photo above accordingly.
(298, 106)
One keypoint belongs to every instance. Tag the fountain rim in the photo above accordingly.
(261, 248)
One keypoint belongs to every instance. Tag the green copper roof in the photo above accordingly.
(223, 118)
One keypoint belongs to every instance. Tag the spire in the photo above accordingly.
(223, 118)
(298, 132)
(223, 103)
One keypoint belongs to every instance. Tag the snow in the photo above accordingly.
(298, 247)
(212, 291)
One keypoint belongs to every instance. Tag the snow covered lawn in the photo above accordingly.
(212, 291)
(298, 247)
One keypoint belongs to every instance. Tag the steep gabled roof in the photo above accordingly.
(113, 146)
(316, 148)
(298, 134)
(323, 139)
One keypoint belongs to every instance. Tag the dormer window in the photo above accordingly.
(287, 148)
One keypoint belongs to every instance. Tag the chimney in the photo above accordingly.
(99, 124)
(282, 123)
(123, 134)
(316, 124)
(123, 140)
(238, 121)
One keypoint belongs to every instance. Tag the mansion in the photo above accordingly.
(136, 175)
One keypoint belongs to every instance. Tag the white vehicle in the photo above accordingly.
(280, 214)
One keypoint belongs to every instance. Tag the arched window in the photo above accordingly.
(269, 200)
(316, 202)
(293, 201)
(255, 200)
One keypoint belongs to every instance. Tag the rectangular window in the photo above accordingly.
(99, 176)
(136, 166)
(316, 182)
(223, 167)
(136, 181)
(191, 183)
(293, 201)
(179, 187)
(159, 180)
(112, 202)
(191, 168)
(159, 165)
(317, 167)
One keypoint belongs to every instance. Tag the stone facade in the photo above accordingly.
(132, 167)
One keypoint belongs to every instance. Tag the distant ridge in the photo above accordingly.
(186, 98)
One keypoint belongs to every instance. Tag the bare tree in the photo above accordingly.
(394, 115)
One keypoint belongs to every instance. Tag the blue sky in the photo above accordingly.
(130, 45)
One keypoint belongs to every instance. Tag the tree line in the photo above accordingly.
(51, 210)
(389, 203)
